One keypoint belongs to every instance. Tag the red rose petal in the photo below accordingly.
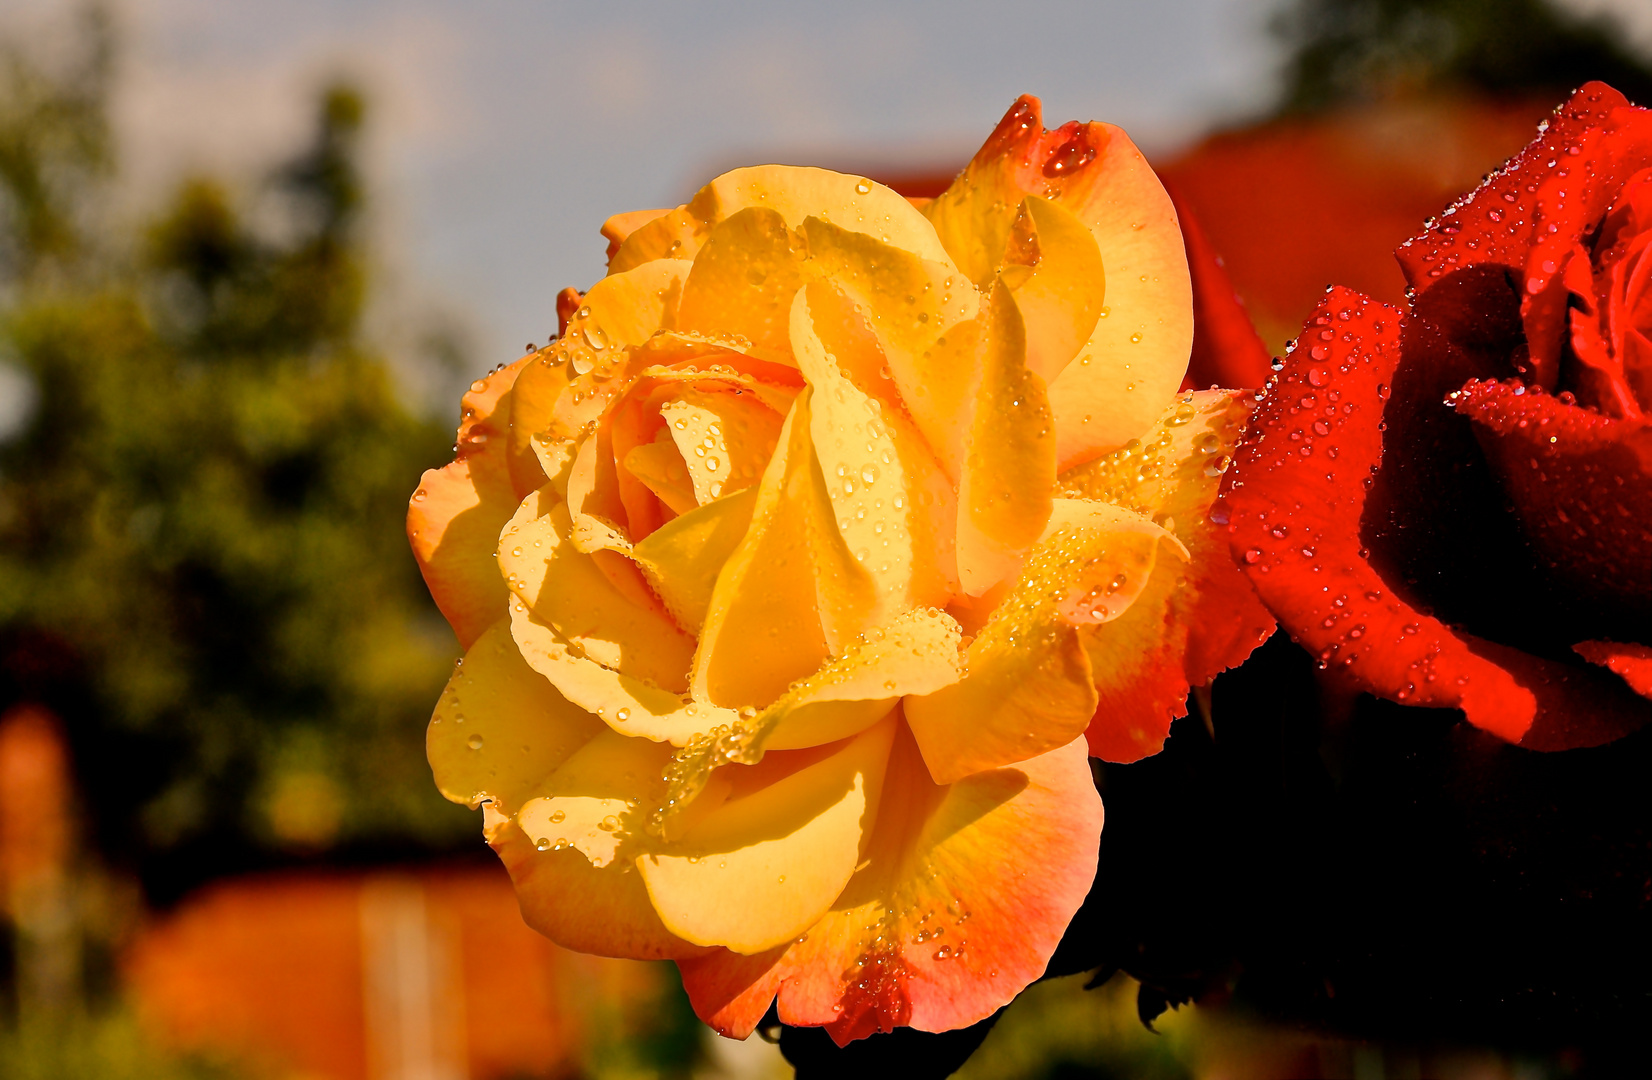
(1632, 662)
(1500, 220)
(1298, 491)
(1581, 484)
(1577, 706)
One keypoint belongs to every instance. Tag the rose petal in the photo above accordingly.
(1029, 687)
(1502, 229)
(660, 467)
(595, 801)
(1577, 705)
(627, 704)
(790, 590)
(762, 867)
(620, 226)
(918, 653)
(743, 281)
(500, 728)
(682, 558)
(1297, 493)
(621, 312)
(794, 193)
(725, 438)
(892, 504)
(563, 588)
(539, 384)
(965, 892)
(1196, 617)
(1632, 662)
(1009, 465)
(516, 729)
(454, 518)
(1581, 484)
(600, 910)
(1138, 351)
(1060, 292)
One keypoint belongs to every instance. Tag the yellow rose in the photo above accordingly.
(794, 572)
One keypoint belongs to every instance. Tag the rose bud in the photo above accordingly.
(795, 572)
(1451, 506)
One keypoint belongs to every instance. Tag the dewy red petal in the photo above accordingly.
(1581, 484)
(1497, 222)
(1632, 662)
(1298, 488)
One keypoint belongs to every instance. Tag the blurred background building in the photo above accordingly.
(248, 256)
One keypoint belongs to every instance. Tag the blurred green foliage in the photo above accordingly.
(1342, 52)
(202, 561)
(105, 1046)
(1057, 1030)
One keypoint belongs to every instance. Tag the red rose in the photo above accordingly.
(1451, 506)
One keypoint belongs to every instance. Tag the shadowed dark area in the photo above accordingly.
(1379, 871)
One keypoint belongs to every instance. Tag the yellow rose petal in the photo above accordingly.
(788, 591)
(918, 653)
(961, 897)
(725, 438)
(682, 558)
(1009, 466)
(1196, 617)
(795, 193)
(625, 703)
(621, 312)
(620, 226)
(1060, 291)
(660, 467)
(601, 910)
(500, 727)
(454, 518)
(565, 589)
(743, 281)
(892, 503)
(1137, 353)
(533, 400)
(592, 801)
(762, 867)
(595, 509)
(1029, 687)
(909, 300)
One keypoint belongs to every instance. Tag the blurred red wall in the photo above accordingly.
(427, 974)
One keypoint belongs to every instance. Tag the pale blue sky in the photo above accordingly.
(505, 131)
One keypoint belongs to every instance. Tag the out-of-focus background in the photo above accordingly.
(249, 255)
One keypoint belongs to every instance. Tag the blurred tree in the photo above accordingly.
(202, 566)
(1346, 51)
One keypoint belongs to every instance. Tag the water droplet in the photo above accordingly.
(474, 742)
